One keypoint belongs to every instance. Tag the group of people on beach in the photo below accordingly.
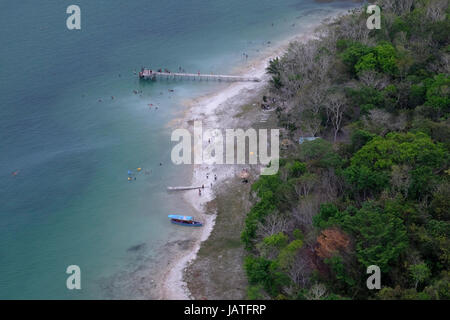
(203, 186)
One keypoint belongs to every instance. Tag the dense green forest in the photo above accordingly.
(374, 188)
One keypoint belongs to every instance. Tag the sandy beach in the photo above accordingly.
(216, 111)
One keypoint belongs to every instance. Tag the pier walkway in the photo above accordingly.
(183, 188)
(153, 75)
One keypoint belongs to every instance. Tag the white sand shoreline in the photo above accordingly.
(205, 109)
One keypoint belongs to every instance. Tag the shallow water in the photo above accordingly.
(72, 144)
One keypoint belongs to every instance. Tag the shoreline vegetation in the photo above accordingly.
(373, 189)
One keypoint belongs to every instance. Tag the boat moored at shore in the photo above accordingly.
(186, 221)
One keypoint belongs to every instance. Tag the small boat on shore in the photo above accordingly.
(186, 221)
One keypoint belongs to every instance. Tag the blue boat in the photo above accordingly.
(175, 216)
(186, 221)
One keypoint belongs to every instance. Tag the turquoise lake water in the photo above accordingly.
(70, 201)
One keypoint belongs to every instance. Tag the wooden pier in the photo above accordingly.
(183, 188)
(153, 75)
